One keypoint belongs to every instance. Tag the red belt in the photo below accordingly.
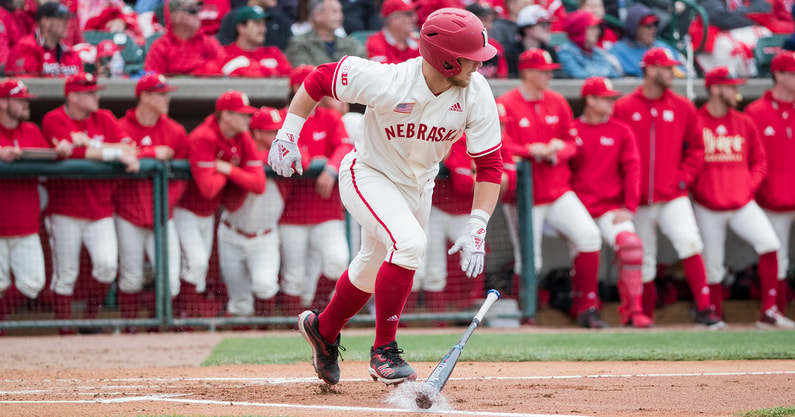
(244, 233)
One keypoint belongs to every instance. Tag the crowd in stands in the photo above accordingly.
(265, 38)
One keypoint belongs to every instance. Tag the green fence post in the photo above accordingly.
(528, 295)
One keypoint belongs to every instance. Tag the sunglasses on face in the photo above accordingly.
(191, 10)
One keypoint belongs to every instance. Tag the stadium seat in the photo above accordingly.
(133, 54)
(558, 38)
(362, 35)
(153, 37)
(766, 49)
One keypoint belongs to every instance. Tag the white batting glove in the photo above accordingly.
(472, 245)
(284, 154)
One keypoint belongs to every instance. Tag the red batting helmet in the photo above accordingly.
(449, 34)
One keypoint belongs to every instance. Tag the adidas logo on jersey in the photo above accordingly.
(769, 131)
(146, 141)
(455, 107)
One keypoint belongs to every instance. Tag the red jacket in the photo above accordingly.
(606, 169)
(669, 141)
(19, 200)
(209, 189)
(9, 35)
(774, 124)
(199, 55)
(133, 198)
(323, 137)
(84, 199)
(539, 122)
(454, 195)
(383, 49)
(734, 161)
(30, 58)
(265, 61)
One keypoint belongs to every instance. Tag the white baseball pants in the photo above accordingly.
(301, 243)
(23, 256)
(782, 225)
(67, 235)
(134, 241)
(249, 268)
(442, 226)
(749, 223)
(610, 230)
(676, 221)
(392, 217)
(196, 242)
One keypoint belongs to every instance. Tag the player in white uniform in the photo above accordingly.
(248, 237)
(415, 111)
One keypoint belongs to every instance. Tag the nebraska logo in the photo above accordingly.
(455, 107)
(344, 74)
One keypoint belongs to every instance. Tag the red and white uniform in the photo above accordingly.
(554, 202)
(80, 211)
(248, 248)
(387, 181)
(776, 196)
(724, 198)
(20, 246)
(265, 61)
(671, 153)
(194, 215)
(134, 209)
(29, 57)
(382, 47)
(311, 223)
(201, 54)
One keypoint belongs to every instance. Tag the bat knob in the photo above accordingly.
(497, 293)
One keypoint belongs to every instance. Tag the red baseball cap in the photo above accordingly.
(392, 6)
(80, 83)
(11, 88)
(598, 86)
(648, 20)
(266, 118)
(235, 101)
(784, 61)
(153, 83)
(536, 58)
(660, 57)
(107, 47)
(298, 74)
(721, 76)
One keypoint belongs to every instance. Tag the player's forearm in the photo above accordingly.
(302, 104)
(486, 196)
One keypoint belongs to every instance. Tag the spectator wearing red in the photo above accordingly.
(10, 33)
(155, 135)
(397, 40)
(43, 53)
(225, 167)
(496, 67)
(184, 49)
(211, 14)
(246, 57)
(607, 37)
(117, 19)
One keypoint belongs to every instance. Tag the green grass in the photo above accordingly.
(770, 412)
(586, 346)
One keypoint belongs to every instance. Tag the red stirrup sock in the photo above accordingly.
(584, 281)
(346, 302)
(697, 279)
(768, 279)
(392, 289)
(649, 298)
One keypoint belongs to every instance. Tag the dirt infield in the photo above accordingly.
(159, 374)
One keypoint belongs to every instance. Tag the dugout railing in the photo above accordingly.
(160, 173)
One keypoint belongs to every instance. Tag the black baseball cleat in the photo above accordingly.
(387, 366)
(324, 354)
(591, 319)
(709, 319)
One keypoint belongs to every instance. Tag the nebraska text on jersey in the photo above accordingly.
(407, 129)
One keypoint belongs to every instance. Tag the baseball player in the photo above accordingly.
(723, 193)
(415, 111)
(314, 218)
(20, 246)
(80, 212)
(606, 178)
(248, 239)
(225, 168)
(542, 129)
(771, 113)
(666, 129)
(246, 56)
(156, 136)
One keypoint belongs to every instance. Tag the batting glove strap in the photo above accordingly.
(472, 246)
(283, 155)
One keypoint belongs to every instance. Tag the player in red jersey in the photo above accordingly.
(80, 212)
(225, 167)
(773, 114)
(156, 136)
(542, 129)
(606, 178)
(246, 57)
(723, 193)
(666, 129)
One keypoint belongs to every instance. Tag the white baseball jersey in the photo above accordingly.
(408, 129)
